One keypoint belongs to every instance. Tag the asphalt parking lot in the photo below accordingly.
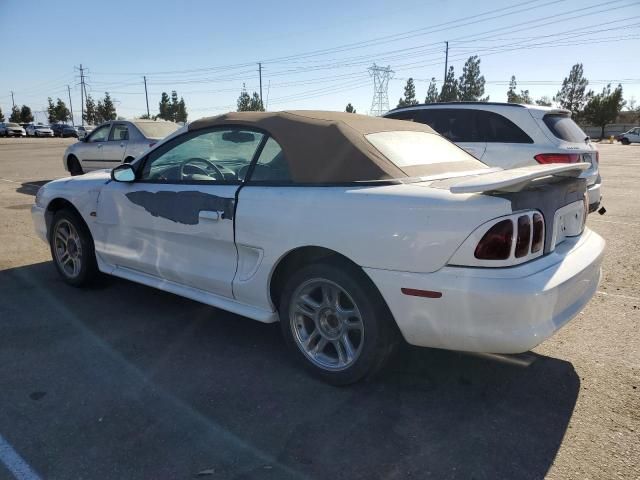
(123, 381)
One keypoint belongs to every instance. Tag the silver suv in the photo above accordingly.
(509, 135)
(113, 143)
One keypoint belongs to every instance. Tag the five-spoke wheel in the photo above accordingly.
(72, 248)
(336, 321)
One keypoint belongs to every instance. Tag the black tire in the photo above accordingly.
(87, 270)
(74, 166)
(379, 332)
(625, 141)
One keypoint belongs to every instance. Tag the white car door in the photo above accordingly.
(634, 136)
(90, 152)
(176, 221)
(115, 146)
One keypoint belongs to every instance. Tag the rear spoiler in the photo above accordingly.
(515, 179)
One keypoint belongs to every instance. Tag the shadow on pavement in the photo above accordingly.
(31, 188)
(124, 381)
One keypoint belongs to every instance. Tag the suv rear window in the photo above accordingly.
(456, 124)
(564, 128)
(495, 128)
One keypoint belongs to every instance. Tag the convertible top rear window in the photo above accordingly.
(422, 153)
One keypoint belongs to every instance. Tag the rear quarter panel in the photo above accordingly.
(397, 227)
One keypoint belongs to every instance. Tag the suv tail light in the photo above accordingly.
(545, 158)
(496, 243)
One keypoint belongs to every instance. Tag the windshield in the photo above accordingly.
(157, 129)
(12, 125)
(564, 128)
(422, 153)
(42, 127)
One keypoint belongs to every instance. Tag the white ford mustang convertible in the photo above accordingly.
(353, 232)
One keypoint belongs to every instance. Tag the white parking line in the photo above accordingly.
(15, 463)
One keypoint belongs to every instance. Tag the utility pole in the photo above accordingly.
(260, 75)
(82, 92)
(446, 61)
(146, 95)
(12, 100)
(70, 105)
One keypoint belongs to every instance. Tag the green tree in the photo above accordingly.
(90, 111)
(513, 97)
(181, 112)
(51, 111)
(25, 114)
(106, 110)
(544, 101)
(173, 107)
(409, 95)
(244, 100)
(432, 92)
(15, 115)
(62, 113)
(604, 107)
(1, 115)
(164, 107)
(350, 108)
(573, 95)
(256, 103)
(471, 83)
(449, 91)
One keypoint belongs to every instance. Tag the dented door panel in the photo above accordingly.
(181, 233)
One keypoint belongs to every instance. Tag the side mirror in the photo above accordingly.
(123, 173)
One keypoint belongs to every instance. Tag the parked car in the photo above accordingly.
(114, 142)
(10, 129)
(63, 130)
(349, 230)
(509, 135)
(631, 136)
(84, 130)
(39, 131)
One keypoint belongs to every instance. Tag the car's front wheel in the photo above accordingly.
(336, 323)
(72, 248)
(625, 141)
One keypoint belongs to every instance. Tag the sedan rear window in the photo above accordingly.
(157, 129)
(564, 128)
(422, 153)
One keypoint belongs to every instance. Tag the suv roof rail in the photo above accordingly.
(505, 104)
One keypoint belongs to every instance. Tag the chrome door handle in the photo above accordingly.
(210, 215)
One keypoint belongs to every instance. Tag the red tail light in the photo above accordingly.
(524, 235)
(538, 233)
(496, 243)
(557, 158)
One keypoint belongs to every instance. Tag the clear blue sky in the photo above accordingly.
(315, 54)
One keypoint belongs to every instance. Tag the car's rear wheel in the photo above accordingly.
(625, 141)
(336, 323)
(74, 166)
(72, 248)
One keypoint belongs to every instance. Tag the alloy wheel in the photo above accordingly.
(326, 324)
(68, 248)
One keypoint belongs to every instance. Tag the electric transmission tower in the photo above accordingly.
(381, 76)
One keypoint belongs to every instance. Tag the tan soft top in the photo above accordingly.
(324, 147)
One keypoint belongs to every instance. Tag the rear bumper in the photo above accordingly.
(501, 310)
(595, 195)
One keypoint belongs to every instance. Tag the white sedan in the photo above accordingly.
(353, 232)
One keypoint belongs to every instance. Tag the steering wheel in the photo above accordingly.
(208, 163)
